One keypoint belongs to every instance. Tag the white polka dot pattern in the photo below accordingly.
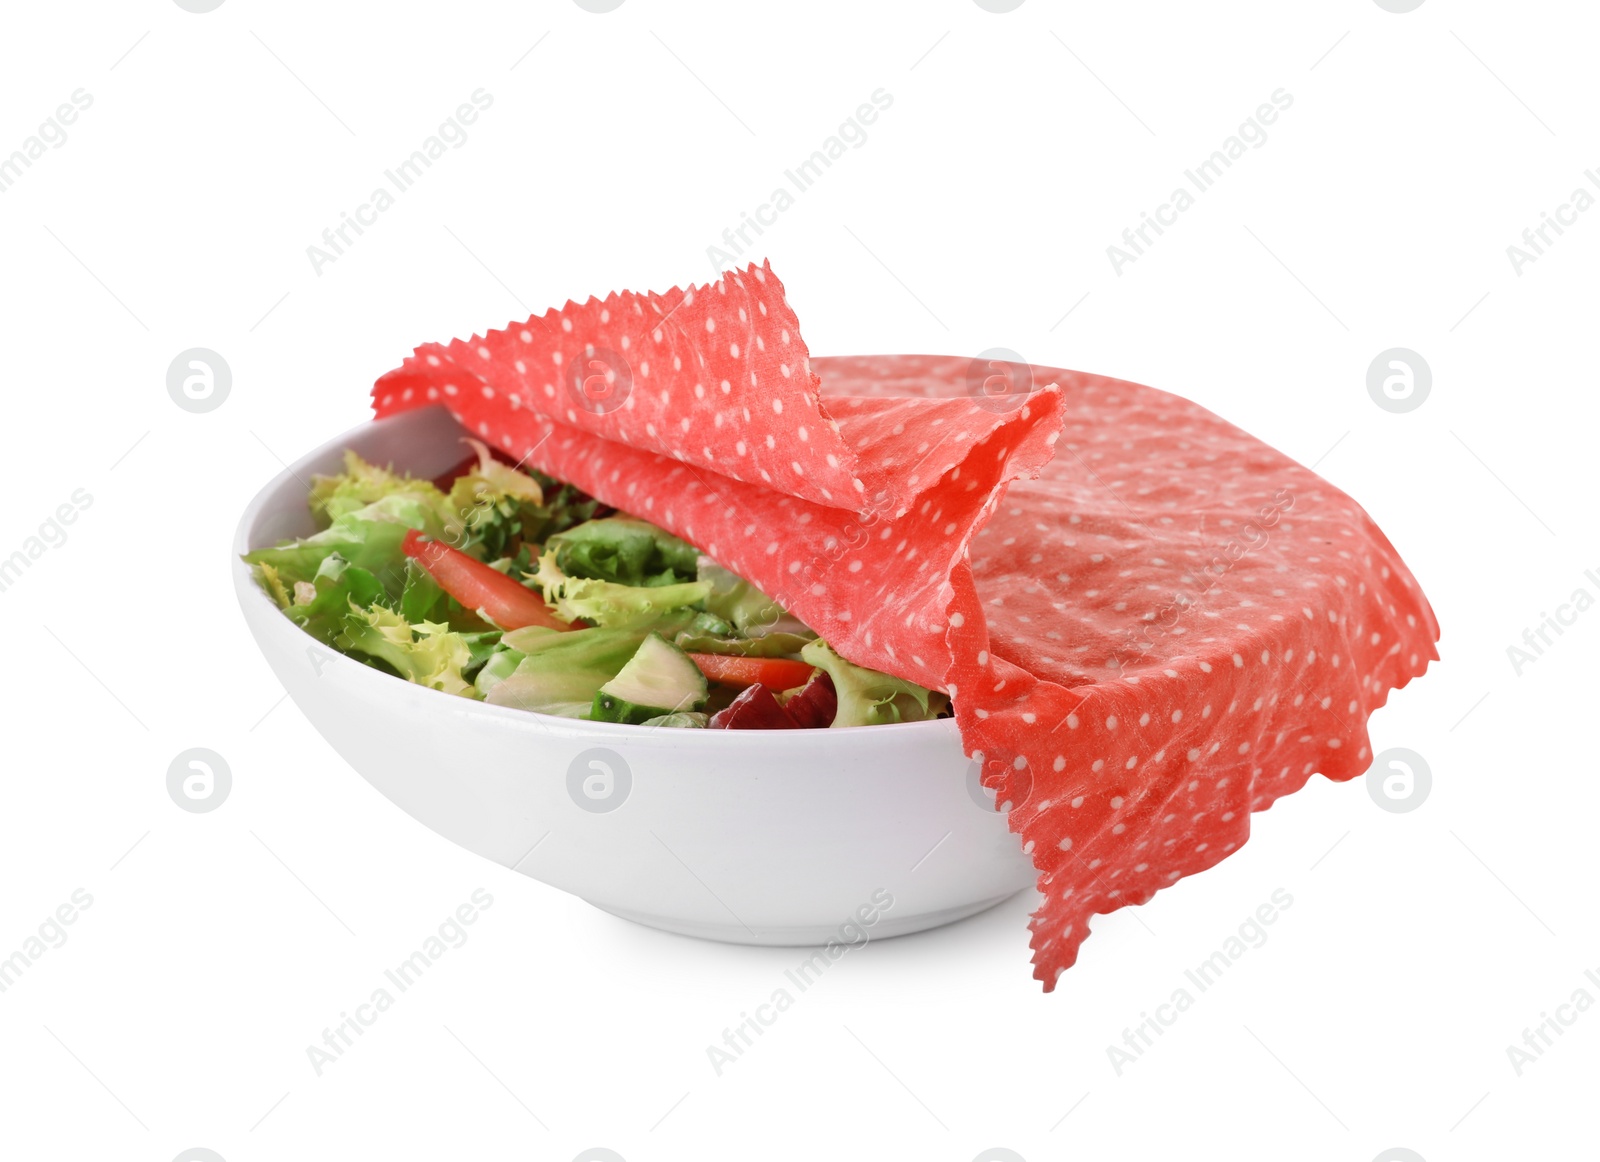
(1152, 624)
(679, 371)
(1174, 625)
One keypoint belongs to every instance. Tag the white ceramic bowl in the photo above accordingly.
(756, 837)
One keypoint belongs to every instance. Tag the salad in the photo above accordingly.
(505, 585)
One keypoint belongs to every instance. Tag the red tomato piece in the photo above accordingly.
(478, 587)
(732, 670)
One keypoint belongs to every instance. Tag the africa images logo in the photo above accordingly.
(1251, 134)
(598, 780)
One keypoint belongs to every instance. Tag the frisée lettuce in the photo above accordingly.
(507, 586)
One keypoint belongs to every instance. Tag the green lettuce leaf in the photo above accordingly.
(870, 698)
(421, 599)
(321, 606)
(368, 537)
(617, 606)
(624, 551)
(360, 484)
(493, 507)
(773, 645)
(269, 580)
(745, 607)
(368, 544)
(429, 653)
(555, 672)
(564, 507)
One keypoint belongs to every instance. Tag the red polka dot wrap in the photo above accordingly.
(1152, 624)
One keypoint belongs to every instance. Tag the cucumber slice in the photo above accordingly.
(659, 679)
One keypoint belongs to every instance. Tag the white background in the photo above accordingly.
(177, 214)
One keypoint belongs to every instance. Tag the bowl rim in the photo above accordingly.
(249, 590)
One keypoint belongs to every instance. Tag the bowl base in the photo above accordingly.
(803, 936)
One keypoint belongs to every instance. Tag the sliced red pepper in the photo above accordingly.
(478, 587)
(732, 670)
